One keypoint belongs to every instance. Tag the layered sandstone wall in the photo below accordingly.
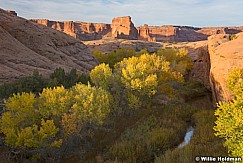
(123, 28)
(181, 33)
(81, 30)
(156, 34)
(209, 31)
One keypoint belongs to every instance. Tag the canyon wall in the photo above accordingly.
(80, 30)
(225, 55)
(181, 33)
(123, 28)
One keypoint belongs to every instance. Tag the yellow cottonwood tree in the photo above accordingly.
(54, 102)
(91, 104)
(101, 76)
(43, 122)
(229, 122)
(19, 123)
(140, 73)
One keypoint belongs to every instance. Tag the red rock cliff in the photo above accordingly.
(225, 54)
(123, 27)
(182, 33)
(81, 30)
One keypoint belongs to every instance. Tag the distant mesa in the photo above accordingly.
(80, 30)
(123, 28)
(11, 12)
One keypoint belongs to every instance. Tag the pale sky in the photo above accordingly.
(196, 13)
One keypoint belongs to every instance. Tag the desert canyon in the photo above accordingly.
(46, 45)
(44, 48)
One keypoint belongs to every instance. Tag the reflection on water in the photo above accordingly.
(187, 137)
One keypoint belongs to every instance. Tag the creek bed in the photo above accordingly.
(187, 137)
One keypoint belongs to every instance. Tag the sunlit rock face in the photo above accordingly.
(80, 30)
(225, 55)
(123, 28)
(27, 46)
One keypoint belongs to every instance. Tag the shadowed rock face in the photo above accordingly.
(225, 54)
(26, 46)
(198, 52)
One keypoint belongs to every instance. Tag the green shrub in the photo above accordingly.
(36, 82)
(115, 56)
(149, 138)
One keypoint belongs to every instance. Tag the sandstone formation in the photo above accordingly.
(27, 46)
(81, 30)
(181, 33)
(123, 28)
(225, 54)
(169, 34)
(11, 12)
(220, 30)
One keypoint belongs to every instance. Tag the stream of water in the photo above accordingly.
(187, 137)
